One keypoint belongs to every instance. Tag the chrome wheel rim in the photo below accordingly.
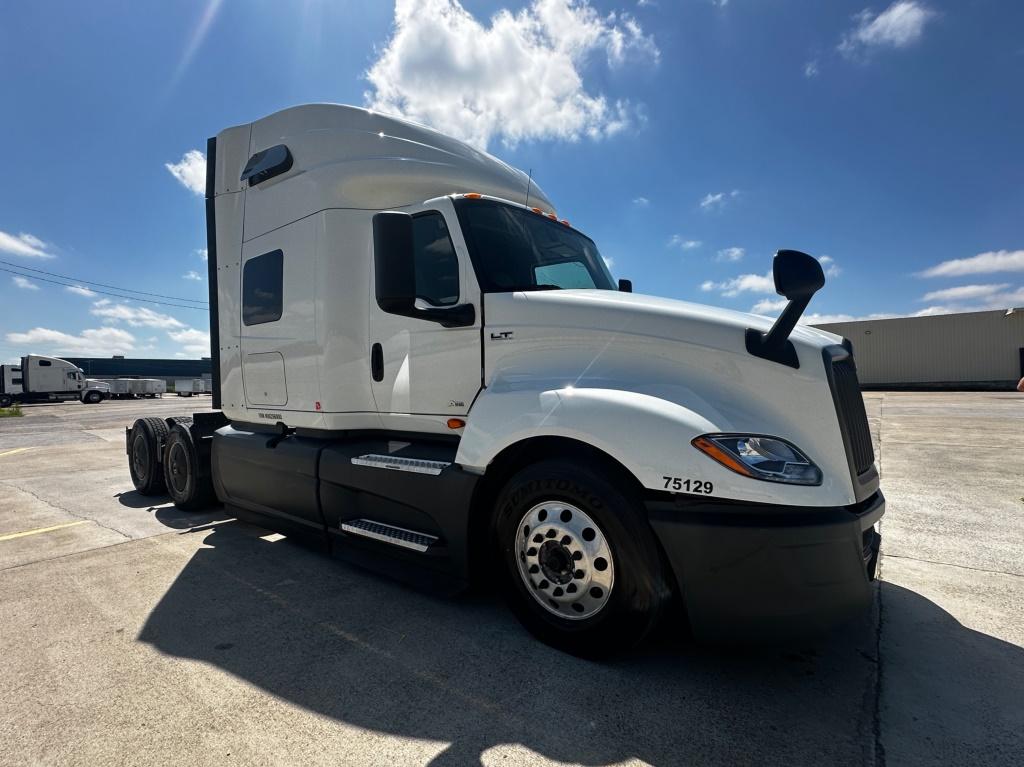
(564, 560)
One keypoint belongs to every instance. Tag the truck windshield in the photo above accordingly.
(515, 249)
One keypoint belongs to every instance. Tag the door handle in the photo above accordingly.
(377, 362)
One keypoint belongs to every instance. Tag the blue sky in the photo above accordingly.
(690, 139)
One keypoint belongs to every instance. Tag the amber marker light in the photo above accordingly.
(712, 450)
(456, 423)
(472, 195)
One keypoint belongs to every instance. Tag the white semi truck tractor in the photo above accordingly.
(38, 378)
(421, 367)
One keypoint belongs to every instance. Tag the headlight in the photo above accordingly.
(767, 458)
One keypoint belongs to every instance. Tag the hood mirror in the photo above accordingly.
(625, 286)
(798, 277)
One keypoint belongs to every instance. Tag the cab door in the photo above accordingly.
(424, 373)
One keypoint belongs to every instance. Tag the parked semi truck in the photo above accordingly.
(421, 367)
(46, 379)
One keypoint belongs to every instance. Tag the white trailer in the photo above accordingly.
(147, 387)
(39, 378)
(422, 367)
(186, 387)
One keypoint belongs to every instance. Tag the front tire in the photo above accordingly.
(189, 488)
(92, 397)
(581, 568)
(6, 400)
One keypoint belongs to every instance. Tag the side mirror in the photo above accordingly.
(798, 277)
(394, 269)
(625, 286)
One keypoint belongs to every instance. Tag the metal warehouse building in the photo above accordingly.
(121, 367)
(974, 350)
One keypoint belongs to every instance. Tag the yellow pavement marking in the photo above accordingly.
(9, 536)
(16, 450)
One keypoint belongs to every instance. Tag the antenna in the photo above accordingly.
(529, 182)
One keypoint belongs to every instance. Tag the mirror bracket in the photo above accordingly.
(798, 277)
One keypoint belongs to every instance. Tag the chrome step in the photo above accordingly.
(395, 463)
(397, 536)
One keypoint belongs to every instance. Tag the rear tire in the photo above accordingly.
(144, 444)
(189, 488)
(581, 568)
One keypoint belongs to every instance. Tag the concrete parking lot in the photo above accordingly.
(134, 633)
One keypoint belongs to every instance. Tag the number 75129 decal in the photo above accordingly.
(688, 485)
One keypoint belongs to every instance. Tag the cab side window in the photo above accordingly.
(437, 266)
(263, 288)
(45, 363)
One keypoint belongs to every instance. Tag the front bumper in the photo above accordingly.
(758, 572)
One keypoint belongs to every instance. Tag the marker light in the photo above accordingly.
(757, 457)
(456, 423)
(472, 195)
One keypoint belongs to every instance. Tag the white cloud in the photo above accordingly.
(983, 263)
(826, 319)
(829, 266)
(192, 274)
(23, 244)
(203, 253)
(641, 202)
(609, 262)
(899, 25)
(677, 241)
(24, 284)
(136, 316)
(195, 343)
(811, 68)
(190, 171)
(718, 200)
(518, 78)
(744, 283)
(93, 341)
(79, 290)
(769, 306)
(964, 292)
(730, 254)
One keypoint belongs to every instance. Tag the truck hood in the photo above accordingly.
(633, 314)
(548, 354)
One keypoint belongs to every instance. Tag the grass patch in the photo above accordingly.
(11, 412)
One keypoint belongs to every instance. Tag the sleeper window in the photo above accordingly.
(44, 363)
(263, 288)
(437, 266)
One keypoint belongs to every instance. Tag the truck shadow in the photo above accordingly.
(366, 651)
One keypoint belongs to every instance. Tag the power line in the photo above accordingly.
(101, 284)
(104, 292)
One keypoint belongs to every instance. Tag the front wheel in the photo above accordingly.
(92, 397)
(580, 565)
(6, 400)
